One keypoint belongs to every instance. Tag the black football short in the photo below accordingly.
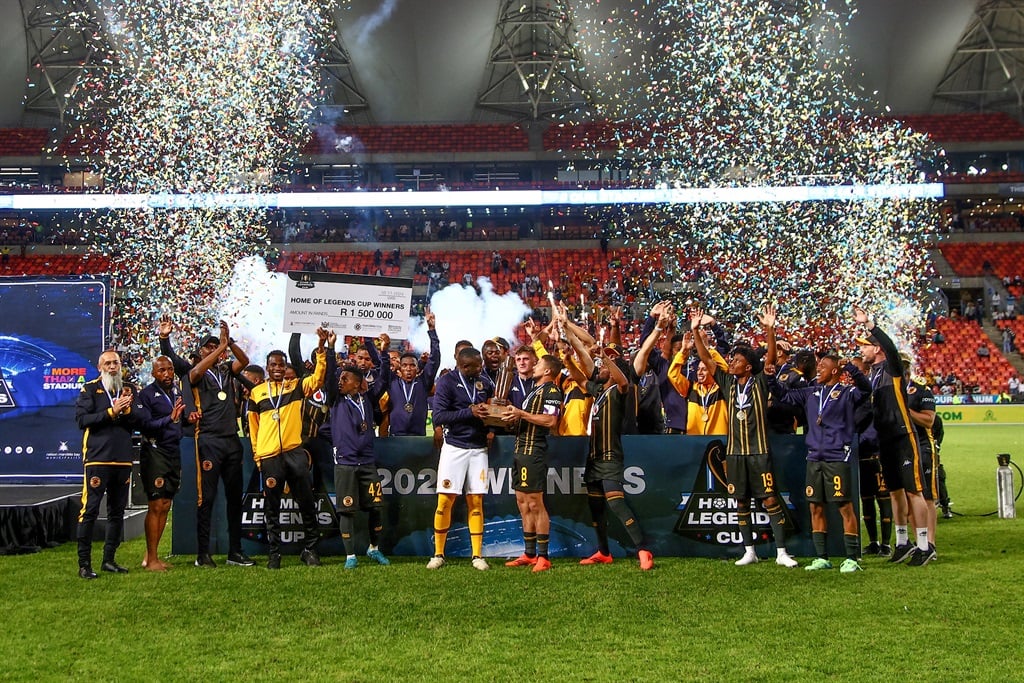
(530, 473)
(829, 482)
(750, 476)
(160, 469)
(357, 487)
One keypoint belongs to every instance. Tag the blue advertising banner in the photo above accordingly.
(51, 333)
(675, 485)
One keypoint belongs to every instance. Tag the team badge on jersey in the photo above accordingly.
(158, 482)
(270, 483)
(809, 491)
(835, 394)
(347, 501)
(731, 489)
(94, 482)
(911, 389)
(447, 483)
(207, 465)
(783, 377)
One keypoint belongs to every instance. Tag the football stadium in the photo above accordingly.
(381, 339)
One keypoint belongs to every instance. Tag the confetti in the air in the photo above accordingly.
(743, 93)
(211, 97)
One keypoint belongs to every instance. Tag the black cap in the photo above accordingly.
(207, 340)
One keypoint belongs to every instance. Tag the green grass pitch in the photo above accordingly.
(959, 618)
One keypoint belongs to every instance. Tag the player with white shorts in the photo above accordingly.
(460, 403)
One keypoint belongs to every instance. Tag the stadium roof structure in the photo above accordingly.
(446, 61)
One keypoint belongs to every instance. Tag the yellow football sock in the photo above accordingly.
(442, 520)
(475, 504)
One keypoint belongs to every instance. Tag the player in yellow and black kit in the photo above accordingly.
(706, 412)
(605, 469)
(748, 460)
(275, 428)
(532, 423)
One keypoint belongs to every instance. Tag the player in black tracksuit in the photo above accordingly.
(215, 390)
(104, 410)
(899, 454)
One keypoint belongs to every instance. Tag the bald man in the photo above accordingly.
(160, 453)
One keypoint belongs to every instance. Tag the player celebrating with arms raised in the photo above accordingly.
(604, 472)
(275, 428)
(747, 458)
(831, 430)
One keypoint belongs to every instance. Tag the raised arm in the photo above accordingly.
(312, 382)
(766, 314)
(563, 317)
(204, 364)
(383, 381)
(893, 362)
(698, 339)
(295, 355)
(241, 358)
(640, 360)
(586, 363)
(429, 373)
(331, 369)
(615, 374)
(615, 326)
(181, 366)
(670, 331)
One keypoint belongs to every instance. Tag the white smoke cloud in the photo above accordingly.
(365, 26)
(463, 314)
(254, 310)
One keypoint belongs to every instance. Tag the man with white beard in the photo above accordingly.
(104, 410)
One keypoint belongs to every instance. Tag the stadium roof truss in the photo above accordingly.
(64, 41)
(986, 70)
(346, 99)
(534, 70)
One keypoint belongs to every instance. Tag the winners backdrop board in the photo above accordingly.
(676, 485)
(51, 334)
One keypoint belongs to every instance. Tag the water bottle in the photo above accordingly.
(1004, 487)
